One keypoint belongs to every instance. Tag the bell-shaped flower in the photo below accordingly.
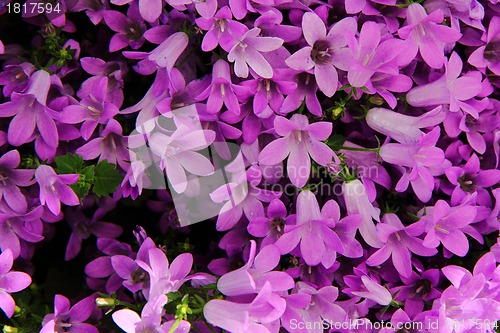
(318, 242)
(324, 52)
(424, 33)
(300, 142)
(419, 158)
(179, 153)
(67, 318)
(54, 188)
(10, 282)
(450, 88)
(247, 53)
(30, 111)
(398, 244)
(266, 308)
(400, 127)
(258, 271)
(150, 319)
(163, 276)
(357, 202)
(11, 178)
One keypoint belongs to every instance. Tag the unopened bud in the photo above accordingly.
(10, 329)
(104, 302)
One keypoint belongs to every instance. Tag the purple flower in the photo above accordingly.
(266, 308)
(31, 111)
(448, 89)
(247, 53)
(23, 227)
(67, 318)
(129, 29)
(371, 55)
(271, 226)
(446, 225)
(487, 56)
(325, 52)
(257, 272)
(400, 127)
(164, 277)
(178, 154)
(300, 141)
(150, 319)
(149, 10)
(222, 90)
(82, 227)
(15, 78)
(398, 244)
(222, 30)
(372, 290)
(92, 110)
(357, 202)
(470, 179)
(243, 197)
(305, 92)
(10, 282)
(318, 242)
(110, 146)
(206, 8)
(423, 32)
(419, 157)
(54, 188)
(11, 178)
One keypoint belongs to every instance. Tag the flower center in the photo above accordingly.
(466, 183)
(278, 224)
(492, 51)
(321, 52)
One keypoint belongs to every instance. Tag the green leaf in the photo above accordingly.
(69, 163)
(85, 181)
(107, 178)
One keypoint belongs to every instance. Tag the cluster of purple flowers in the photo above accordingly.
(369, 132)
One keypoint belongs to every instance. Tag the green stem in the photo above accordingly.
(174, 327)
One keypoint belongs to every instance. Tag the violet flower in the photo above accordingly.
(222, 90)
(300, 142)
(67, 318)
(30, 111)
(92, 110)
(11, 178)
(419, 157)
(470, 179)
(206, 8)
(129, 29)
(54, 188)
(149, 10)
(271, 226)
(398, 244)
(257, 272)
(178, 154)
(445, 225)
(400, 127)
(424, 33)
(150, 319)
(371, 56)
(448, 89)
(10, 282)
(266, 308)
(325, 52)
(163, 276)
(110, 146)
(357, 202)
(247, 53)
(318, 242)
(25, 227)
(221, 30)
(487, 56)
